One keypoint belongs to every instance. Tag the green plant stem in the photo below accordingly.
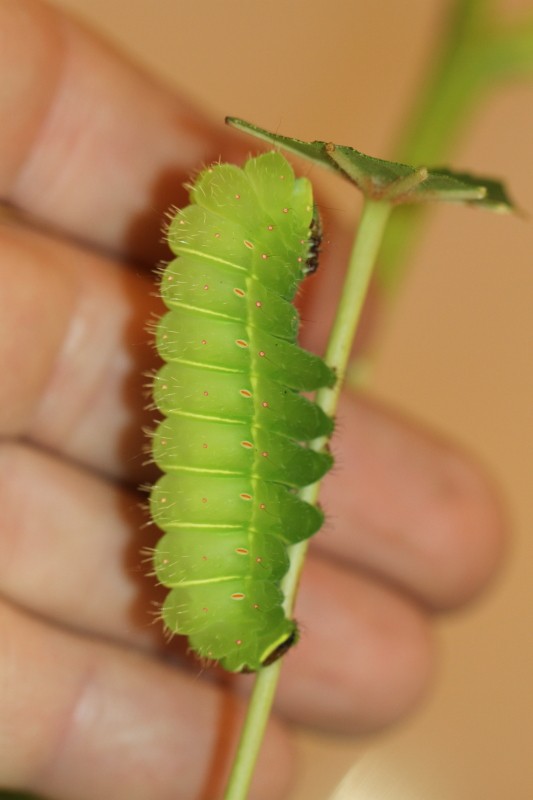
(370, 233)
(368, 240)
(477, 54)
(252, 733)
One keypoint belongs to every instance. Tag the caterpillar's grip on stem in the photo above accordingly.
(233, 441)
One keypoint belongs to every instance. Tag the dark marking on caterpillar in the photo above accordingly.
(315, 240)
(233, 441)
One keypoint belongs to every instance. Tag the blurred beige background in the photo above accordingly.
(456, 353)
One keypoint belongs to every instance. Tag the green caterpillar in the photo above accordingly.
(232, 444)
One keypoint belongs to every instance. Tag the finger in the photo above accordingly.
(76, 367)
(89, 143)
(410, 508)
(83, 719)
(400, 506)
(78, 364)
(92, 533)
(96, 148)
(364, 657)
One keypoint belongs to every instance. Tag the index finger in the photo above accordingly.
(90, 144)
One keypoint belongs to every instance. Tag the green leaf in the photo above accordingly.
(494, 197)
(389, 180)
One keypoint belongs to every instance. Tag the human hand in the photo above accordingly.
(93, 153)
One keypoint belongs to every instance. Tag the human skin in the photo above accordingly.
(94, 703)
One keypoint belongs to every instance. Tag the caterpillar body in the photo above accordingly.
(233, 441)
